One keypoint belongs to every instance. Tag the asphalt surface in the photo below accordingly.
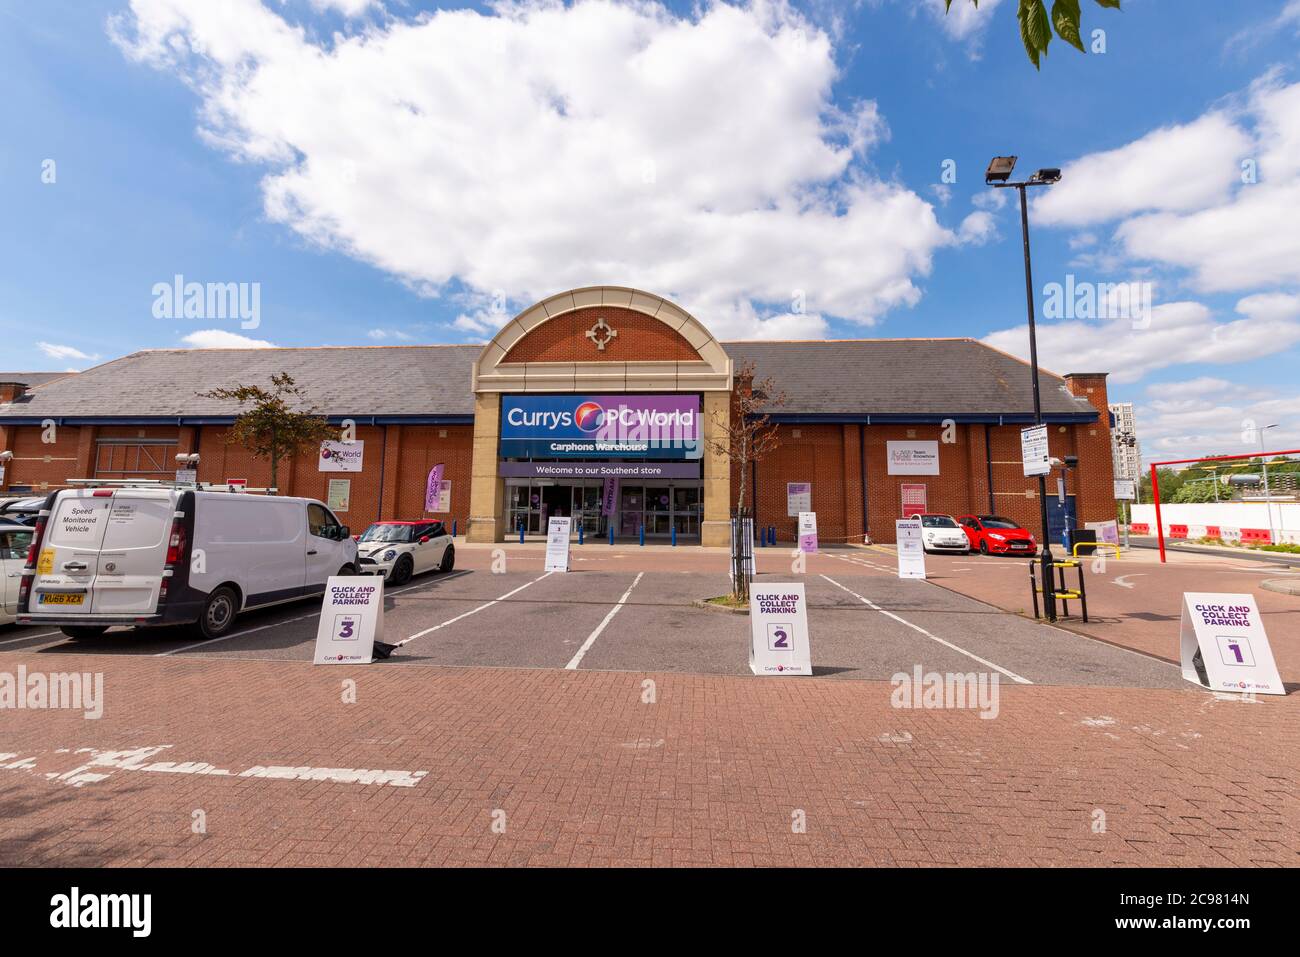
(865, 624)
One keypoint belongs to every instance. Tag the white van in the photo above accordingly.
(152, 555)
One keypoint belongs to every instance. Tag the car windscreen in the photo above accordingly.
(997, 521)
(937, 521)
(387, 533)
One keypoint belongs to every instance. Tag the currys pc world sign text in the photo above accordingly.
(618, 426)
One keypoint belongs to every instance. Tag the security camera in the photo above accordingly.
(6, 455)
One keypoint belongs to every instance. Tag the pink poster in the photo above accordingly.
(432, 489)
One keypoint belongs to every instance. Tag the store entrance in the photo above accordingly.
(657, 508)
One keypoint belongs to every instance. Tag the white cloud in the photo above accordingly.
(222, 339)
(349, 8)
(538, 147)
(381, 334)
(1175, 168)
(57, 351)
(1209, 416)
(1218, 197)
(964, 19)
(1178, 333)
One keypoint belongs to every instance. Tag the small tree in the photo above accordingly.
(271, 429)
(748, 436)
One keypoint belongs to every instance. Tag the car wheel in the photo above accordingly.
(402, 571)
(448, 560)
(984, 548)
(218, 613)
(347, 570)
(82, 632)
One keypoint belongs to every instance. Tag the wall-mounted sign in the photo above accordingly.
(339, 494)
(1223, 644)
(913, 499)
(599, 470)
(911, 548)
(341, 456)
(778, 630)
(1033, 450)
(625, 426)
(808, 532)
(913, 457)
(351, 619)
(798, 498)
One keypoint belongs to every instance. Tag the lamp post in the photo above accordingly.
(1268, 498)
(997, 175)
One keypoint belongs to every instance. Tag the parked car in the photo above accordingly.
(398, 550)
(941, 533)
(159, 555)
(20, 511)
(995, 535)
(15, 540)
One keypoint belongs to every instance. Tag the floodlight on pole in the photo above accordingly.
(998, 175)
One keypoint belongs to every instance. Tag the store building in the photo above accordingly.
(607, 404)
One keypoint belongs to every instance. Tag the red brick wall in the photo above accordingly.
(564, 339)
(1095, 478)
(44, 465)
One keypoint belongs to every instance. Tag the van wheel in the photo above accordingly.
(82, 632)
(347, 570)
(218, 613)
(448, 560)
(402, 571)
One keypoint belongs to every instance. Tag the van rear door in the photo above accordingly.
(133, 552)
(69, 555)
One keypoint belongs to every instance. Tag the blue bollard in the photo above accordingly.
(771, 535)
(642, 531)
(453, 528)
(579, 534)
(611, 530)
(674, 536)
(521, 533)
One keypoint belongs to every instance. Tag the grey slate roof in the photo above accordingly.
(915, 376)
(344, 381)
(846, 377)
(32, 379)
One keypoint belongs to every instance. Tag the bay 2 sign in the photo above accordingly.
(586, 426)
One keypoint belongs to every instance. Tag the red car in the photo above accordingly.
(993, 534)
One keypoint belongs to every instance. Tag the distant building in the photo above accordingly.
(1124, 447)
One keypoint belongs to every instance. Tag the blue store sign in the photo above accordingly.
(601, 426)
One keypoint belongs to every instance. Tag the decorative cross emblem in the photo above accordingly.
(601, 334)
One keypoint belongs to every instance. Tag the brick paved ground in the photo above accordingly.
(587, 773)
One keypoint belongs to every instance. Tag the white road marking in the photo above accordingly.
(591, 639)
(44, 634)
(1124, 584)
(472, 611)
(101, 764)
(289, 621)
(948, 644)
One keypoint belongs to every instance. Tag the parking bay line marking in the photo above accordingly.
(872, 605)
(472, 611)
(287, 621)
(44, 634)
(591, 639)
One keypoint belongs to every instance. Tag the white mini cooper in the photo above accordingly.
(398, 550)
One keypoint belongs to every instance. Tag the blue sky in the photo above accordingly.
(738, 162)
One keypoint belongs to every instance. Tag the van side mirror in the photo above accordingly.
(344, 533)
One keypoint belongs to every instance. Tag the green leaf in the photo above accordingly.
(1065, 16)
(1109, 4)
(1035, 29)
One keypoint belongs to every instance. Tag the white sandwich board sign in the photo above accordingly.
(1223, 644)
(557, 543)
(351, 619)
(911, 548)
(778, 625)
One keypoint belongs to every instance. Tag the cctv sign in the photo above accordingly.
(1223, 644)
